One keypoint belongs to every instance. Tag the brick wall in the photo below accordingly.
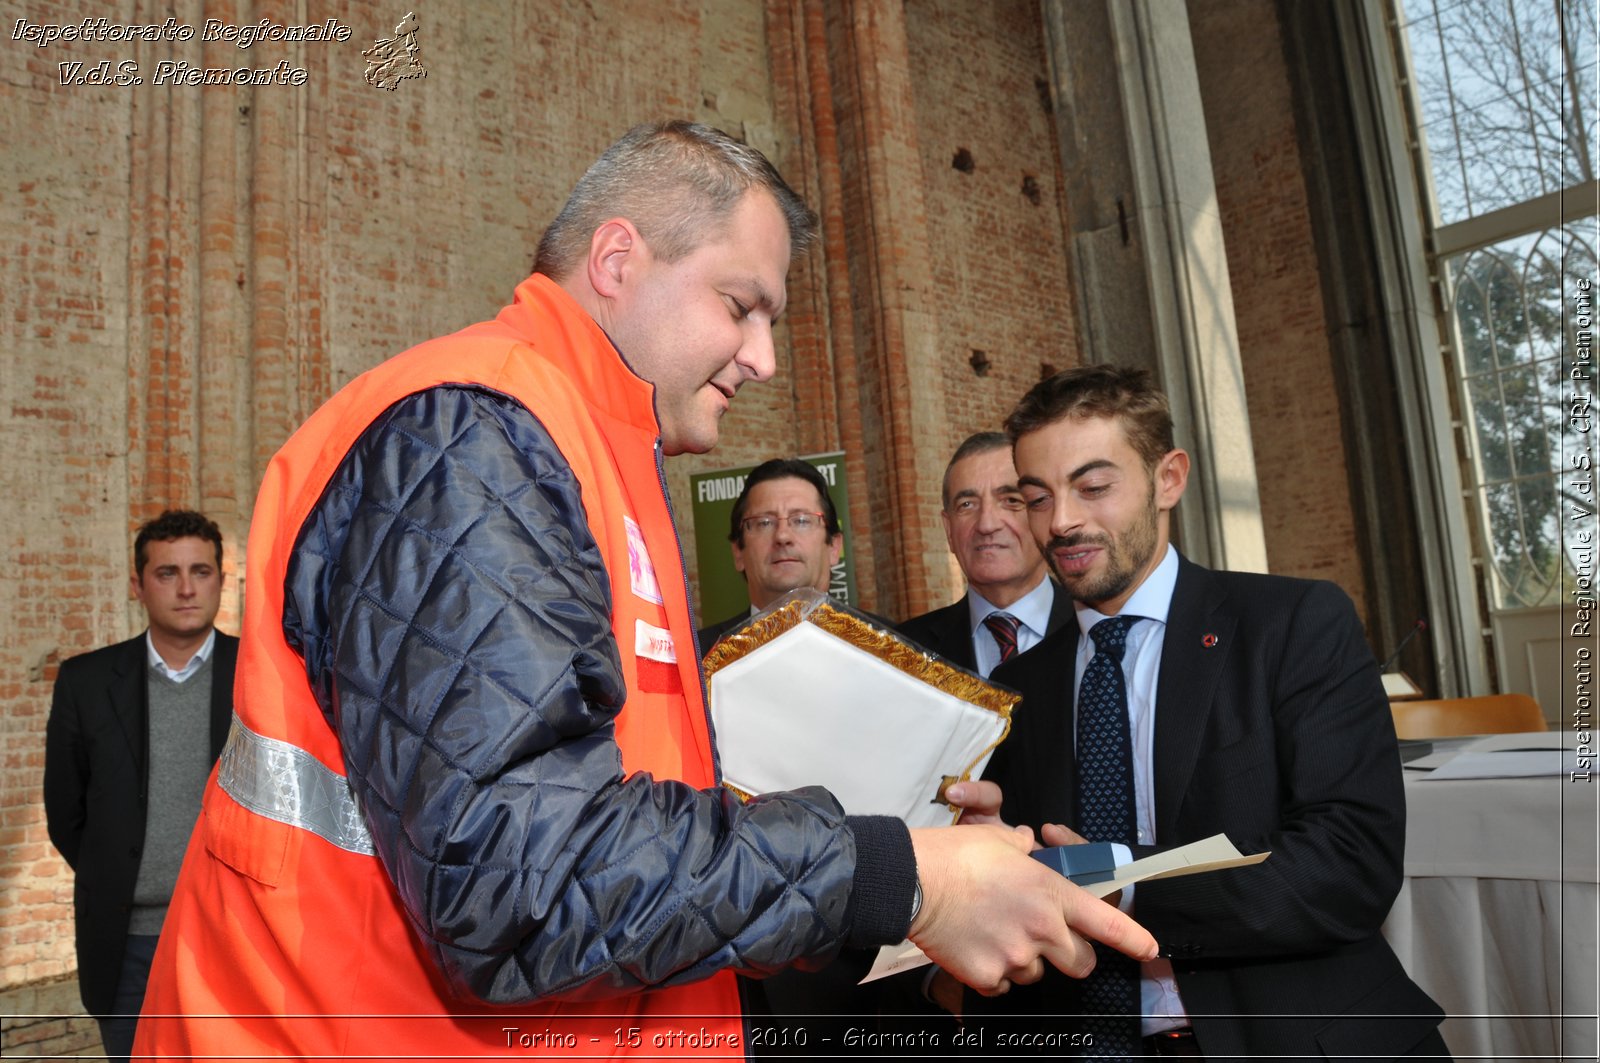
(994, 215)
(45, 1020)
(64, 433)
(1272, 262)
(185, 273)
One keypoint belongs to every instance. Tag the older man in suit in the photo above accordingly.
(1186, 702)
(134, 730)
(1011, 603)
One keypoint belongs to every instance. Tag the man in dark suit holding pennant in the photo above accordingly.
(1186, 702)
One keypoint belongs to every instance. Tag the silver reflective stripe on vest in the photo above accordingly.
(283, 782)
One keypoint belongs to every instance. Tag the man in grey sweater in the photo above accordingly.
(134, 730)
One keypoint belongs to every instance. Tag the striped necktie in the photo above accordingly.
(1003, 626)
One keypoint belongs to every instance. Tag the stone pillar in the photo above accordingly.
(1148, 249)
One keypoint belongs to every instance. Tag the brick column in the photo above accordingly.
(896, 321)
(162, 256)
(821, 319)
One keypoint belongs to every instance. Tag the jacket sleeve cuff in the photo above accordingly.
(884, 881)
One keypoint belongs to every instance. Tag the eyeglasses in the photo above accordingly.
(801, 523)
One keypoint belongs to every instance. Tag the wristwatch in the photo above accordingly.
(916, 901)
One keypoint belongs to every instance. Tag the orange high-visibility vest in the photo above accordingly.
(279, 943)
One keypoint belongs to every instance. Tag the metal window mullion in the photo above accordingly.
(1472, 462)
(1569, 64)
(1561, 207)
(1450, 100)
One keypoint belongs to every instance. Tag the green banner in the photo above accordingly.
(722, 591)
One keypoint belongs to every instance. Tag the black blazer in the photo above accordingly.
(97, 754)
(948, 631)
(1271, 727)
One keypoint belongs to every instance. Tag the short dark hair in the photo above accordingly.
(678, 183)
(1100, 391)
(174, 524)
(976, 443)
(783, 469)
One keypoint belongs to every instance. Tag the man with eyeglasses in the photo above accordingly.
(1010, 603)
(785, 534)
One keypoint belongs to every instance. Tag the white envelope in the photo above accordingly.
(812, 693)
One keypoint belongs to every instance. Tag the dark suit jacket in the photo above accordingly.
(1271, 727)
(948, 631)
(97, 753)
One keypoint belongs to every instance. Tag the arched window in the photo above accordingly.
(1501, 100)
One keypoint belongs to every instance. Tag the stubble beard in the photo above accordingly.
(1126, 556)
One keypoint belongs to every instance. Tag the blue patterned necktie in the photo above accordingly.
(1106, 814)
(1003, 626)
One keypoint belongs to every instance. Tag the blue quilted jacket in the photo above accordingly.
(525, 859)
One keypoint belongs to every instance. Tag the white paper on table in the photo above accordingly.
(1209, 854)
(1506, 764)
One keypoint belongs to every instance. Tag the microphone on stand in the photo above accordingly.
(1420, 625)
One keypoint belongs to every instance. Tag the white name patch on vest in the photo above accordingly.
(653, 643)
(641, 573)
(655, 659)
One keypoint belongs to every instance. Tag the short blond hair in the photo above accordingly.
(678, 183)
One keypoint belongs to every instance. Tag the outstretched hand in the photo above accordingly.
(992, 916)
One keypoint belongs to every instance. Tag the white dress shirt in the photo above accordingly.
(1032, 612)
(1141, 670)
(178, 675)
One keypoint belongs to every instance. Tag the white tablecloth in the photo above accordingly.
(1497, 916)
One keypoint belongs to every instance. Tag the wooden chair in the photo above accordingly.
(1446, 717)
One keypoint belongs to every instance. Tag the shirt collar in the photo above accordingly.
(1151, 600)
(200, 655)
(1032, 610)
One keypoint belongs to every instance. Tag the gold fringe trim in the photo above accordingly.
(859, 633)
(881, 644)
(914, 662)
(747, 639)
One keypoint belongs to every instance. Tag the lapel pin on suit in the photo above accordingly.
(1208, 640)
